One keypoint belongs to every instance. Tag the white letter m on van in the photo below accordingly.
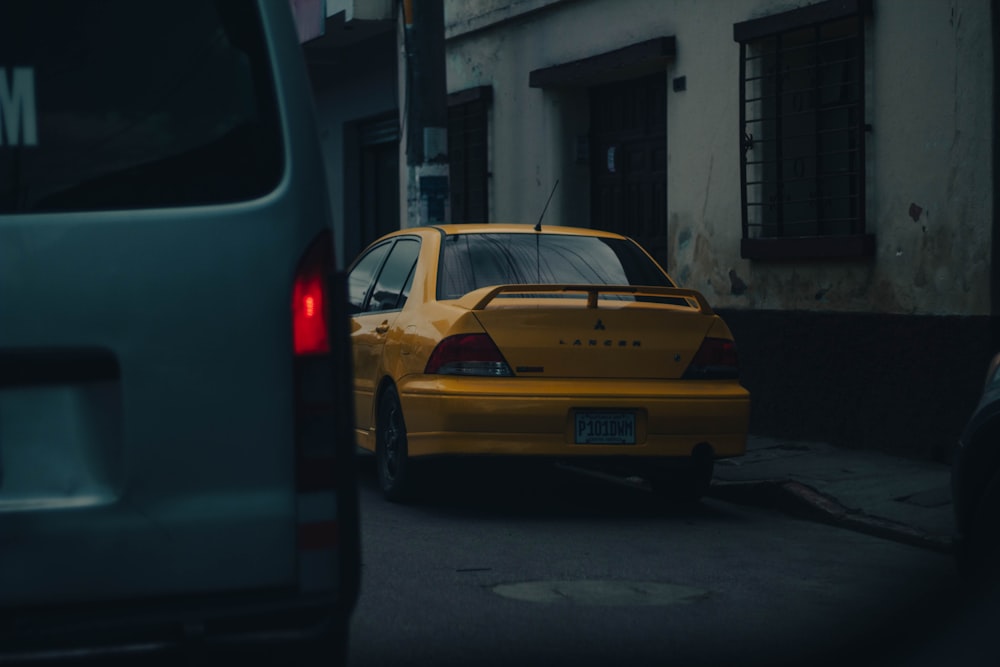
(18, 121)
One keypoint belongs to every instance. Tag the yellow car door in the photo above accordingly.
(378, 286)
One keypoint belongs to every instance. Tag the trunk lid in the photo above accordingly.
(567, 331)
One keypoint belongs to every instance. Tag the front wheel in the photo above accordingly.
(391, 456)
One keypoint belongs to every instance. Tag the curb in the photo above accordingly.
(803, 501)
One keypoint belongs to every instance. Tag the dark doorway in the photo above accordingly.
(468, 154)
(379, 179)
(629, 161)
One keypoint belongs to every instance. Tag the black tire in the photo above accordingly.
(682, 482)
(392, 461)
(329, 648)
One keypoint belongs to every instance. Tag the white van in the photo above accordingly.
(176, 436)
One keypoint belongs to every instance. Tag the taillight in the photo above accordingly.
(716, 360)
(468, 354)
(310, 330)
(325, 476)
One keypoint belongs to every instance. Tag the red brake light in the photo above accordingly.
(716, 359)
(468, 354)
(310, 333)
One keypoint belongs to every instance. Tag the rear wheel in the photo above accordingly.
(329, 650)
(683, 481)
(391, 457)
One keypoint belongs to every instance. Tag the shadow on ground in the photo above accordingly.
(502, 489)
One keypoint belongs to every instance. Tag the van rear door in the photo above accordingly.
(148, 247)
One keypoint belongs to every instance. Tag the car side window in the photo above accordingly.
(392, 284)
(361, 276)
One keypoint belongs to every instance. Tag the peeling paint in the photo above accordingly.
(708, 187)
(706, 270)
(737, 286)
(684, 239)
(884, 296)
(934, 146)
(943, 279)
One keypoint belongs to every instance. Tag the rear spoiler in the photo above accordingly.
(480, 298)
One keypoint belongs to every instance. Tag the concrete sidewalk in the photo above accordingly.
(892, 497)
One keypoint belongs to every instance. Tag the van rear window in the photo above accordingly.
(105, 104)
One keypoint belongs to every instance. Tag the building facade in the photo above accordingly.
(350, 49)
(824, 172)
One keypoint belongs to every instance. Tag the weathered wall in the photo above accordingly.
(904, 384)
(354, 83)
(361, 9)
(885, 351)
(466, 16)
(929, 153)
(525, 124)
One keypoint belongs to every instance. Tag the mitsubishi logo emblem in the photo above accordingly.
(599, 326)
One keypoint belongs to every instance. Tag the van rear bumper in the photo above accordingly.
(221, 624)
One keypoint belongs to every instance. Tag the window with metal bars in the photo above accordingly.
(468, 154)
(802, 103)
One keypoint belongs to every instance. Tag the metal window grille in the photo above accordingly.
(802, 130)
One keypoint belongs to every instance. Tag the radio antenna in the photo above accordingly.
(538, 225)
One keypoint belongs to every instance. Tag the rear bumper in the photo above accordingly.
(89, 633)
(534, 417)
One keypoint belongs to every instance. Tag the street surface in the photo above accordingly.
(524, 568)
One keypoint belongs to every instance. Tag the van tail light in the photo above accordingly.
(468, 354)
(325, 476)
(310, 329)
(716, 360)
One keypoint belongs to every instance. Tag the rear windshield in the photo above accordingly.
(471, 261)
(109, 104)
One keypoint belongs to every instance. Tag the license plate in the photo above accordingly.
(605, 427)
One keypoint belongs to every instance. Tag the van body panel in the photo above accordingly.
(147, 387)
(180, 448)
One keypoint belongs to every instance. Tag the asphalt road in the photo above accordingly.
(554, 568)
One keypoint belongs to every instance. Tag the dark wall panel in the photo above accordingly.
(896, 383)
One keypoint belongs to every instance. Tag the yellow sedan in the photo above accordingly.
(559, 343)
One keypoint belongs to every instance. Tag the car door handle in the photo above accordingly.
(382, 328)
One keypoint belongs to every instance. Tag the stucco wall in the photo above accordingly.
(360, 83)
(929, 153)
(525, 157)
(932, 91)
(361, 9)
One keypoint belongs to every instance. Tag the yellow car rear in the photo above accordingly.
(503, 340)
(531, 417)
